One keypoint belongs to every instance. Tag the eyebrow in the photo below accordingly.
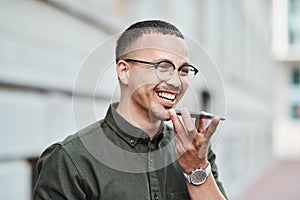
(160, 60)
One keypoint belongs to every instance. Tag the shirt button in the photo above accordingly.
(132, 141)
(103, 125)
(151, 160)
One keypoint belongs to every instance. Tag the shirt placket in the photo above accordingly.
(153, 175)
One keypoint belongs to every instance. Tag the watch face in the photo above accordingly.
(198, 176)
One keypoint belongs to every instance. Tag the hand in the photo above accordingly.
(192, 141)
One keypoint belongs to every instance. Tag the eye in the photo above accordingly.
(185, 70)
(165, 67)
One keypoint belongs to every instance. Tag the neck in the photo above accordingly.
(139, 118)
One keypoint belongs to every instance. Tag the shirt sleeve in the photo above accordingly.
(58, 176)
(212, 159)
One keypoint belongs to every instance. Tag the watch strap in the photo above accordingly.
(207, 171)
(187, 177)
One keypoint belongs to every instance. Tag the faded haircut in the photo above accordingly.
(137, 30)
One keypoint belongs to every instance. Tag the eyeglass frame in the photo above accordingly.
(156, 64)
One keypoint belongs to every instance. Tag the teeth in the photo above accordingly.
(166, 95)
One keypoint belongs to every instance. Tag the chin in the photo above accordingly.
(159, 112)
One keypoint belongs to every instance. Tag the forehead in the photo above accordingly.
(164, 45)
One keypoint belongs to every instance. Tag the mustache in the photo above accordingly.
(167, 87)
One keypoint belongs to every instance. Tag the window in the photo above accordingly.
(205, 97)
(294, 21)
(296, 76)
(296, 111)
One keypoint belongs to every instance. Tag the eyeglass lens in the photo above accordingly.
(165, 70)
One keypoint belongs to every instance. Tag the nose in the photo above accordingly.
(174, 80)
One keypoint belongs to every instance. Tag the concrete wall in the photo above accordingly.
(42, 49)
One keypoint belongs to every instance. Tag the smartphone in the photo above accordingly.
(204, 114)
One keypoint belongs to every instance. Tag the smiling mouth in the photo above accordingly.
(167, 99)
(167, 96)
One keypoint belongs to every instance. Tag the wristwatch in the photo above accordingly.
(198, 176)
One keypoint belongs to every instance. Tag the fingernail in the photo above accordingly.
(171, 111)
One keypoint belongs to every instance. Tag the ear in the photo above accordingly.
(122, 71)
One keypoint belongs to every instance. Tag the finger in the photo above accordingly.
(199, 123)
(198, 140)
(180, 130)
(177, 125)
(185, 140)
(179, 147)
(212, 127)
(188, 122)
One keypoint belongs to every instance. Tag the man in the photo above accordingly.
(131, 153)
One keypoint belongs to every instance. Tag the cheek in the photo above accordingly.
(143, 96)
(185, 85)
(143, 93)
(141, 80)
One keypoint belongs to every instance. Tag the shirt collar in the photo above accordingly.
(131, 134)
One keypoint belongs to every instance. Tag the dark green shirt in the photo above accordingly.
(111, 159)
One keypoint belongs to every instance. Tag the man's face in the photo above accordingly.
(149, 94)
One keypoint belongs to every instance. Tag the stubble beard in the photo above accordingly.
(159, 112)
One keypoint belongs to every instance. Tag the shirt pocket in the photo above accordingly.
(178, 196)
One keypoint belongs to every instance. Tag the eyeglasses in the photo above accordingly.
(165, 68)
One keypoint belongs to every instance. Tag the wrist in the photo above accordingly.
(199, 175)
(202, 164)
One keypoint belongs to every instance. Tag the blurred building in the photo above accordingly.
(43, 45)
(286, 50)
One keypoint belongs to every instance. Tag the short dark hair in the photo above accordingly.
(137, 30)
